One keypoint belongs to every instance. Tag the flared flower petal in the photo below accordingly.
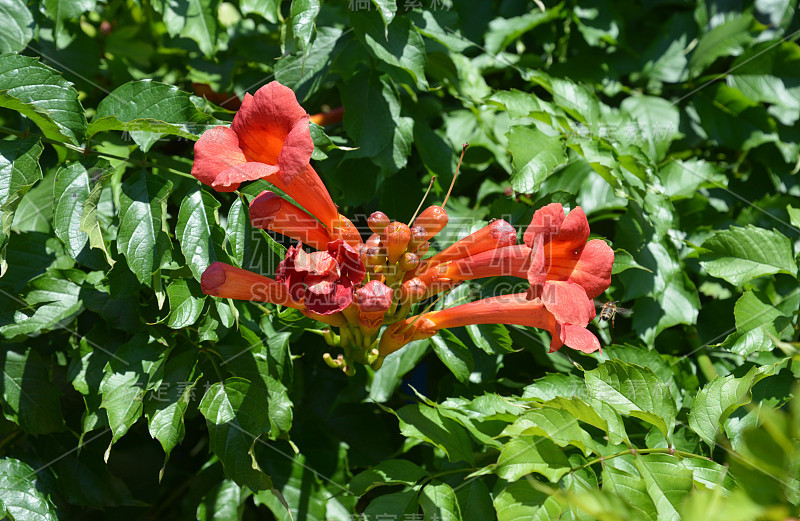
(273, 129)
(591, 269)
(336, 297)
(577, 337)
(559, 251)
(323, 280)
(269, 211)
(217, 156)
(269, 139)
(348, 259)
(568, 303)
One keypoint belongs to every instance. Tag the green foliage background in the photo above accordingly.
(126, 393)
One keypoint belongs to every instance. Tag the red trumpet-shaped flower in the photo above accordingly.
(556, 249)
(271, 212)
(268, 139)
(323, 280)
(560, 251)
(226, 281)
(497, 234)
(563, 309)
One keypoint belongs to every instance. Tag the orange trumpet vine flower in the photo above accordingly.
(561, 253)
(323, 280)
(271, 212)
(331, 117)
(497, 234)
(226, 281)
(268, 139)
(563, 309)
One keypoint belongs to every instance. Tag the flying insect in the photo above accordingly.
(610, 309)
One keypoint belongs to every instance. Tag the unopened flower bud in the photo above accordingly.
(395, 239)
(408, 262)
(377, 222)
(374, 241)
(412, 290)
(423, 249)
(418, 237)
(374, 258)
(373, 301)
(433, 219)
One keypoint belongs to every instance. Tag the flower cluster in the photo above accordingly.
(359, 286)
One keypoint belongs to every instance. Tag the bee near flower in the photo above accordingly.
(609, 310)
(368, 288)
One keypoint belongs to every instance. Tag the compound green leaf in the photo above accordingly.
(238, 232)
(558, 425)
(520, 501)
(19, 171)
(198, 230)
(17, 27)
(503, 31)
(71, 192)
(739, 255)
(303, 16)
(40, 93)
(305, 72)
(398, 45)
(134, 368)
(185, 304)
(373, 126)
(142, 236)
(222, 503)
(395, 366)
(631, 487)
(438, 502)
(719, 398)
(526, 454)
(30, 398)
(534, 156)
(63, 10)
(90, 220)
(667, 481)
(387, 9)
(165, 407)
(236, 414)
(726, 39)
(60, 299)
(148, 110)
(195, 19)
(387, 472)
(427, 424)
(634, 391)
(454, 354)
(269, 9)
(21, 494)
